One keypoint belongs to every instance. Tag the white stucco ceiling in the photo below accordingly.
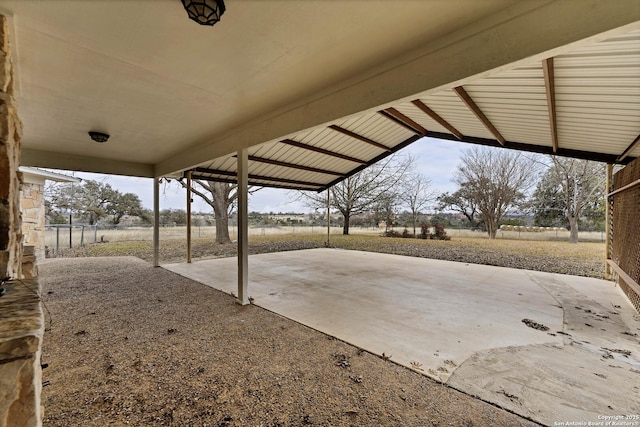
(173, 94)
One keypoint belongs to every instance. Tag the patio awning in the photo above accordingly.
(583, 104)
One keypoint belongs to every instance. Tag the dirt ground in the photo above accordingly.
(129, 344)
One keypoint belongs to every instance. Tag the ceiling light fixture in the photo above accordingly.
(99, 136)
(204, 12)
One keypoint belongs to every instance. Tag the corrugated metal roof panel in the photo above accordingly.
(597, 92)
(448, 106)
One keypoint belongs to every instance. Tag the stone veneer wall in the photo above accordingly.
(33, 216)
(21, 330)
(21, 317)
(10, 134)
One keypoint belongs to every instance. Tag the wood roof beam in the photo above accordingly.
(629, 149)
(403, 144)
(359, 137)
(254, 177)
(253, 183)
(464, 96)
(401, 119)
(304, 146)
(293, 165)
(550, 87)
(435, 116)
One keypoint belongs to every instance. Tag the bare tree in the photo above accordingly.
(416, 194)
(497, 180)
(221, 196)
(582, 182)
(358, 193)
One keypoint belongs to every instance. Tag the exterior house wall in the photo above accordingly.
(21, 317)
(33, 214)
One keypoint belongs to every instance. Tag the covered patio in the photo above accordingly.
(461, 324)
(303, 95)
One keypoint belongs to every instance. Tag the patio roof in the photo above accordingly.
(319, 90)
(584, 104)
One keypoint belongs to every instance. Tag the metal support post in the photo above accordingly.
(156, 222)
(189, 217)
(243, 227)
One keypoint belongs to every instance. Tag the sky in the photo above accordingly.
(436, 159)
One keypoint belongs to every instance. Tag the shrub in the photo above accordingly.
(424, 231)
(439, 232)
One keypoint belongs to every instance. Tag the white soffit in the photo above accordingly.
(319, 90)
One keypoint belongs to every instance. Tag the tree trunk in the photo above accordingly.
(345, 226)
(492, 229)
(573, 229)
(222, 220)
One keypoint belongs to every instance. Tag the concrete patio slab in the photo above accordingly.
(460, 323)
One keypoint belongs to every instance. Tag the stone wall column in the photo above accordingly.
(10, 134)
(21, 318)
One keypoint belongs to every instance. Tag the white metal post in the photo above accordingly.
(243, 227)
(156, 222)
(189, 217)
(328, 217)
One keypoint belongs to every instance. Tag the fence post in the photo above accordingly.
(82, 237)
(57, 240)
(95, 233)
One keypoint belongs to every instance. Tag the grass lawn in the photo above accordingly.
(584, 258)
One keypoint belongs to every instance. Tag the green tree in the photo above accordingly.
(90, 200)
(548, 203)
(128, 204)
(173, 217)
(461, 201)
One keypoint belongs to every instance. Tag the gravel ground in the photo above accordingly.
(130, 344)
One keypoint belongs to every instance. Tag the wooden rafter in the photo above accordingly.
(359, 137)
(293, 166)
(403, 144)
(629, 149)
(410, 123)
(550, 86)
(322, 151)
(396, 121)
(254, 177)
(428, 111)
(464, 96)
(253, 183)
